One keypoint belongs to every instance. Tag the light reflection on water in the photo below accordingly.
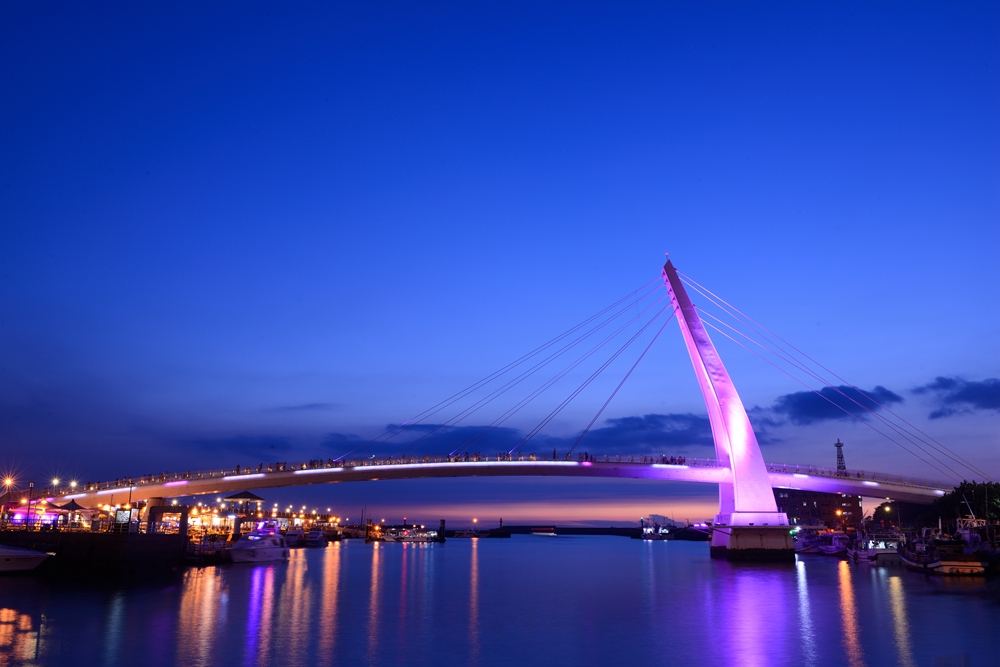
(526, 600)
(807, 639)
(849, 617)
(900, 626)
(474, 604)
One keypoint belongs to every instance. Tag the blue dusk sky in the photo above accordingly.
(246, 232)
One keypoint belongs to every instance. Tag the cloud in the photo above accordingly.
(650, 433)
(258, 446)
(830, 403)
(426, 439)
(955, 395)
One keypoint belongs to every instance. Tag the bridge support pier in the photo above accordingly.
(752, 536)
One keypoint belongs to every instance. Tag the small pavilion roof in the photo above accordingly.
(244, 496)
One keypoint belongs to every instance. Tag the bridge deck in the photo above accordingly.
(680, 469)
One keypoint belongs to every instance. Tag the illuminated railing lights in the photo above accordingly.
(125, 489)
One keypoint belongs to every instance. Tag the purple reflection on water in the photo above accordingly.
(755, 631)
(253, 616)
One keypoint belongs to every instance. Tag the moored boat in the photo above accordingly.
(919, 555)
(259, 547)
(315, 538)
(879, 549)
(956, 559)
(295, 537)
(14, 559)
(835, 544)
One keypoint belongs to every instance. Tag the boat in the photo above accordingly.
(295, 537)
(410, 535)
(878, 549)
(807, 541)
(959, 558)
(834, 544)
(14, 559)
(657, 527)
(315, 538)
(919, 554)
(259, 547)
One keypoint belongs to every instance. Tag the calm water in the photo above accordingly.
(528, 600)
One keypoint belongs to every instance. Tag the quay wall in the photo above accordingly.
(96, 555)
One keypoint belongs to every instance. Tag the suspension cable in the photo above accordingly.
(947, 451)
(615, 392)
(396, 430)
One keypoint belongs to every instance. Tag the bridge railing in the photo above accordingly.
(234, 473)
(863, 475)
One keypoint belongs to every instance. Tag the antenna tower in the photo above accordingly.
(841, 466)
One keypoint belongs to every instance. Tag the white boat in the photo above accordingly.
(409, 535)
(879, 549)
(13, 559)
(259, 547)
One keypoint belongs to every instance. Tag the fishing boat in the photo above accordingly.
(807, 541)
(919, 554)
(259, 547)
(878, 549)
(958, 558)
(834, 544)
(14, 559)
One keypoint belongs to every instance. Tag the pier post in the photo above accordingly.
(152, 514)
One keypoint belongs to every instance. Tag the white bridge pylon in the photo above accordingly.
(749, 499)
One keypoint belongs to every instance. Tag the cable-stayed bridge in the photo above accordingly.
(675, 468)
(748, 521)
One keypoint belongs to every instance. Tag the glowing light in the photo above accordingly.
(670, 466)
(870, 483)
(316, 470)
(75, 495)
(177, 483)
(125, 489)
(55, 481)
(229, 478)
(8, 481)
(800, 475)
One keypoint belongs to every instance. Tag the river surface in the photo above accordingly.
(528, 600)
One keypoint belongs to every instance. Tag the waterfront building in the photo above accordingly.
(814, 508)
